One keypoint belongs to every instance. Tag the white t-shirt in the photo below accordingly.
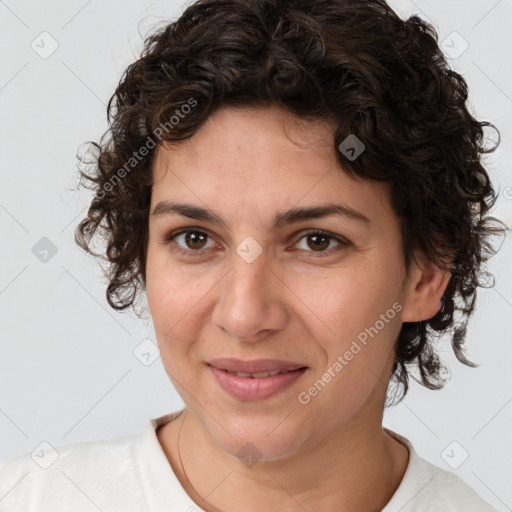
(132, 474)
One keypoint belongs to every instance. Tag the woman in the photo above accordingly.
(296, 188)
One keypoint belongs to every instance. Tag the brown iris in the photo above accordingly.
(195, 239)
(319, 237)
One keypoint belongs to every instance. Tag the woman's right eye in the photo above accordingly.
(190, 242)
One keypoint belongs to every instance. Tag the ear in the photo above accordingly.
(424, 290)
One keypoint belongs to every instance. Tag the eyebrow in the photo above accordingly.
(281, 219)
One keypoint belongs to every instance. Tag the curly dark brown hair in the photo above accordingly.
(354, 63)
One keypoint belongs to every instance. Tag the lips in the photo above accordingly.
(255, 380)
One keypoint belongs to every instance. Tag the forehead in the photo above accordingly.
(265, 159)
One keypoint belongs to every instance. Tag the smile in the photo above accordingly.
(253, 386)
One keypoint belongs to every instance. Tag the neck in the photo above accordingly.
(332, 474)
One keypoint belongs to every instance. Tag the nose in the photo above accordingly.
(251, 300)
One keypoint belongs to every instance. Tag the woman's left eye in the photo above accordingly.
(195, 240)
(321, 240)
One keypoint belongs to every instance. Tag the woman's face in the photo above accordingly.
(248, 288)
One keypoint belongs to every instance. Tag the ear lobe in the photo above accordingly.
(425, 291)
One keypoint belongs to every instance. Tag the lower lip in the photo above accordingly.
(250, 389)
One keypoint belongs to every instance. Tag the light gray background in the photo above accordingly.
(67, 368)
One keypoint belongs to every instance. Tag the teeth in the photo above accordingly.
(259, 374)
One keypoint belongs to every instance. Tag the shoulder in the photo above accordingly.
(78, 476)
(449, 491)
(426, 487)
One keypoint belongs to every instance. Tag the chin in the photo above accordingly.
(257, 440)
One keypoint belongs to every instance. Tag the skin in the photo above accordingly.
(294, 302)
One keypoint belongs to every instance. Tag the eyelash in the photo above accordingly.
(195, 253)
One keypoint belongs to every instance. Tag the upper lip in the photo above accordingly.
(255, 366)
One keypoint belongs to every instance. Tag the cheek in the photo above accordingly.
(166, 290)
(343, 301)
(176, 302)
(355, 313)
